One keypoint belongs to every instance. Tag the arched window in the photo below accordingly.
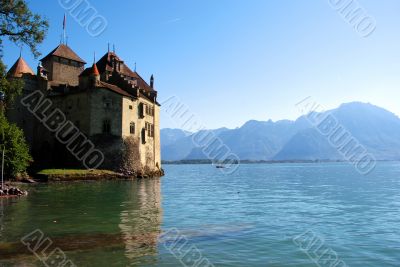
(132, 128)
(106, 127)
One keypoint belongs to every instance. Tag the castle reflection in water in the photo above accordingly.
(141, 219)
(115, 223)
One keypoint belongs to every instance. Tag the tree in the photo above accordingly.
(11, 88)
(17, 157)
(20, 25)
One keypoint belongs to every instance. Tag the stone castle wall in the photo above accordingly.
(61, 72)
(105, 105)
(90, 108)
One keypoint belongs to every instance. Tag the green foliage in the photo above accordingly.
(17, 157)
(11, 87)
(20, 25)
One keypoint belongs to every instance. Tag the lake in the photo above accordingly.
(323, 214)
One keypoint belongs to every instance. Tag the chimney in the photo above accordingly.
(39, 70)
(114, 60)
(152, 81)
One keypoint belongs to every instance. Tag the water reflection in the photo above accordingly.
(141, 219)
(113, 223)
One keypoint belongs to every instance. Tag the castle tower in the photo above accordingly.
(15, 112)
(63, 66)
(19, 69)
(95, 75)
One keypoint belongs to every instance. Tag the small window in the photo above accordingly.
(132, 128)
(149, 128)
(141, 110)
(149, 110)
(143, 136)
(107, 103)
(130, 107)
(106, 127)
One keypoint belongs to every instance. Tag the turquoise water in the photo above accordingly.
(249, 218)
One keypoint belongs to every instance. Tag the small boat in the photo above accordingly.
(220, 167)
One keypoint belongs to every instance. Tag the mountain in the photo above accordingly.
(177, 144)
(170, 136)
(375, 128)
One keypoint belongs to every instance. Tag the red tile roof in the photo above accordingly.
(19, 68)
(90, 71)
(64, 51)
(86, 72)
(114, 88)
(141, 83)
(95, 71)
(106, 64)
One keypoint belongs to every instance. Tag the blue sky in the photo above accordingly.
(231, 61)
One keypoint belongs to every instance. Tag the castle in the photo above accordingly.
(113, 106)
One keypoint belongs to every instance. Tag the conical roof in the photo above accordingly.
(19, 68)
(95, 71)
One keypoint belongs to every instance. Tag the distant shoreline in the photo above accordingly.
(188, 162)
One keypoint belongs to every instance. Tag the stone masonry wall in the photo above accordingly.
(62, 72)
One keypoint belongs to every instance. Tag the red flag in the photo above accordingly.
(64, 22)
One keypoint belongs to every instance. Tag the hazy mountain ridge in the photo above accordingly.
(377, 129)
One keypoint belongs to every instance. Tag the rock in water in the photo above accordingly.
(8, 191)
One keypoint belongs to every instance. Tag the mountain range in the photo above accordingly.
(375, 128)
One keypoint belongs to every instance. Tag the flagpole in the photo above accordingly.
(64, 26)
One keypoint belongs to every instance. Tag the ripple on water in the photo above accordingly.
(248, 218)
